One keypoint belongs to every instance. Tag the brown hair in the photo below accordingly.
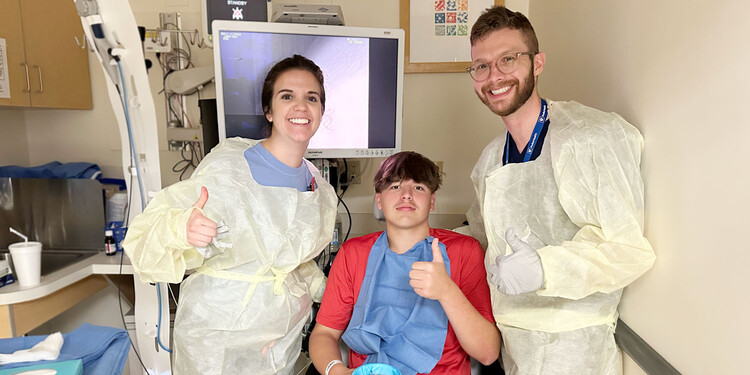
(298, 62)
(500, 17)
(407, 165)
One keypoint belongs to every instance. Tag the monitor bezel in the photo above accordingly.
(292, 28)
(207, 20)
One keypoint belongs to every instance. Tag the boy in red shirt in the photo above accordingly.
(412, 297)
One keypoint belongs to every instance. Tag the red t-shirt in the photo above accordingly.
(467, 271)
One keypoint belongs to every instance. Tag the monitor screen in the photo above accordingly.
(232, 10)
(363, 77)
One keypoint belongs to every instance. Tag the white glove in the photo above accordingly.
(222, 232)
(519, 272)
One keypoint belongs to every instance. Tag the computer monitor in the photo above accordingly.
(363, 73)
(239, 10)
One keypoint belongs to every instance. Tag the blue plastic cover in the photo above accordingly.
(53, 169)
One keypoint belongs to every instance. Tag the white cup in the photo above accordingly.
(27, 262)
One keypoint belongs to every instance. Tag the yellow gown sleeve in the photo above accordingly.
(601, 190)
(156, 239)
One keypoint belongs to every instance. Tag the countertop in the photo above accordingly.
(99, 264)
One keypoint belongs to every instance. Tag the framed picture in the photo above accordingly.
(437, 33)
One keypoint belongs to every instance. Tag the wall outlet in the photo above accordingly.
(355, 172)
(440, 167)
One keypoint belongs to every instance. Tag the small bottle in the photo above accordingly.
(333, 247)
(109, 243)
(337, 237)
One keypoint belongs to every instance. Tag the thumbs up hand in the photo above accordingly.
(518, 272)
(430, 279)
(200, 229)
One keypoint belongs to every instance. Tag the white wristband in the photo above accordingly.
(331, 364)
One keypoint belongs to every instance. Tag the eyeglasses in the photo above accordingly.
(506, 64)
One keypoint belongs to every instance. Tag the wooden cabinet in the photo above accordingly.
(19, 318)
(46, 68)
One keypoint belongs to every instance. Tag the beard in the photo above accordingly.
(525, 89)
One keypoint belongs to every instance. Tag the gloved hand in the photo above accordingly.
(222, 232)
(519, 272)
(376, 369)
(202, 231)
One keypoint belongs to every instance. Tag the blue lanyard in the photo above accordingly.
(534, 136)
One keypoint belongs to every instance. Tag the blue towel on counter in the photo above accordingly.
(53, 169)
(103, 350)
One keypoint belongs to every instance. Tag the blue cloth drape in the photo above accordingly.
(103, 350)
(390, 323)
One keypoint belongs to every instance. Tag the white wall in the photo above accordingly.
(14, 148)
(69, 135)
(677, 70)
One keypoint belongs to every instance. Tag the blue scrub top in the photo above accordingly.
(517, 157)
(269, 171)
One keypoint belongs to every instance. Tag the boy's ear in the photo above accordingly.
(377, 199)
(432, 202)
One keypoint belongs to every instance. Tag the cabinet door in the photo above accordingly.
(11, 31)
(58, 67)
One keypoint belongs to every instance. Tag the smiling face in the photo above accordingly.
(406, 205)
(296, 108)
(505, 93)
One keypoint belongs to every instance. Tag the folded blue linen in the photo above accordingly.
(102, 350)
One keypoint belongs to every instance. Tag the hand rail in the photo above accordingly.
(642, 353)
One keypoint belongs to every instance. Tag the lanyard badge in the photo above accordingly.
(534, 136)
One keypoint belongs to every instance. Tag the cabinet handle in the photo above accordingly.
(41, 83)
(28, 85)
(82, 45)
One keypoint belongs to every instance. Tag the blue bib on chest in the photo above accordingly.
(390, 323)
